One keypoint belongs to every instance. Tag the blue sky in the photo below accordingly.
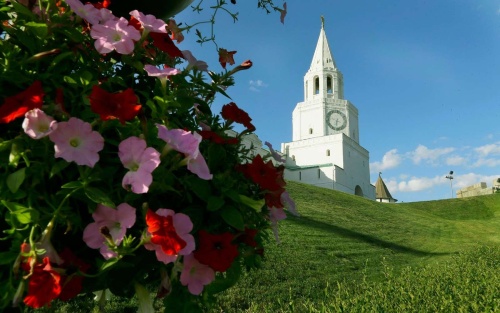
(424, 75)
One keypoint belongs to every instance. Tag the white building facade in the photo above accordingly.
(325, 149)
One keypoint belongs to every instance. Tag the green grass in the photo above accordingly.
(340, 237)
(346, 253)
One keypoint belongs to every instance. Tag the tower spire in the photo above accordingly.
(322, 55)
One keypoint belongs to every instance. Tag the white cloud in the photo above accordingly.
(415, 184)
(422, 153)
(490, 149)
(455, 160)
(256, 85)
(486, 162)
(391, 159)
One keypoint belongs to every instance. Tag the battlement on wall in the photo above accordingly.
(478, 189)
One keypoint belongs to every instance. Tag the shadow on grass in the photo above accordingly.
(347, 233)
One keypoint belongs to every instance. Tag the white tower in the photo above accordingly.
(325, 148)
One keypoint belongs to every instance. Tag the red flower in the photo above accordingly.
(17, 105)
(263, 174)
(214, 137)
(216, 251)
(231, 112)
(71, 282)
(163, 233)
(163, 42)
(273, 198)
(122, 105)
(44, 285)
(135, 23)
(226, 57)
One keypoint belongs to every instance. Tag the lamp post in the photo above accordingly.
(450, 177)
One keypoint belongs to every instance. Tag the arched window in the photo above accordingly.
(329, 86)
(316, 85)
(300, 175)
(307, 91)
(310, 131)
(319, 173)
(328, 152)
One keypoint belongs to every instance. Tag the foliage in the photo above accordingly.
(115, 174)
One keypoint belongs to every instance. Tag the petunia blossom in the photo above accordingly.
(188, 144)
(163, 42)
(226, 57)
(216, 250)
(75, 141)
(193, 62)
(115, 35)
(43, 286)
(120, 105)
(86, 11)
(176, 32)
(274, 154)
(114, 222)
(149, 22)
(160, 73)
(196, 275)
(17, 105)
(232, 112)
(169, 234)
(141, 161)
(37, 124)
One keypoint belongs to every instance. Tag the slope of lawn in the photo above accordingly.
(344, 252)
(341, 237)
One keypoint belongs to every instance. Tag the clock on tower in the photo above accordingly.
(336, 120)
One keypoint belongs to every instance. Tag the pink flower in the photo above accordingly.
(115, 35)
(169, 232)
(108, 222)
(196, 275)
(141, 161)
(160, 73)
(188, 144)
(86, 11)
(275, 215)
(193, 62)
(289, 203)
(150, 22)
(75, 141)
(37, 124)
(274, 154)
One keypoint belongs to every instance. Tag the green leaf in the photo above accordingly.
(99, 197)
(58, 167)
(4, 145)
(15, 180)
(39, 29)
(252, 203)
(233, 217)
(15, 153)
(214, 203)
(72, 185)
(216, 156)
(21, 213)
(200, 187)
(109, 263)
(69, 80)
(7, 257)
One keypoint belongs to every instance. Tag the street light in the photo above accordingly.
(450, 177)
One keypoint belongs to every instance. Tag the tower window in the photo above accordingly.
(316, 85)
(306, 91)
(328, 152)
(310, 131)
(329, 87)
(300, 175)
(319, 173)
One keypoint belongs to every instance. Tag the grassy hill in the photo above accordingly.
(341, 237)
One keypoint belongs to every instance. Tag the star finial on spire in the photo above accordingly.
(322, 21)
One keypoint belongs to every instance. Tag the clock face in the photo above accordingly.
(336, 120)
